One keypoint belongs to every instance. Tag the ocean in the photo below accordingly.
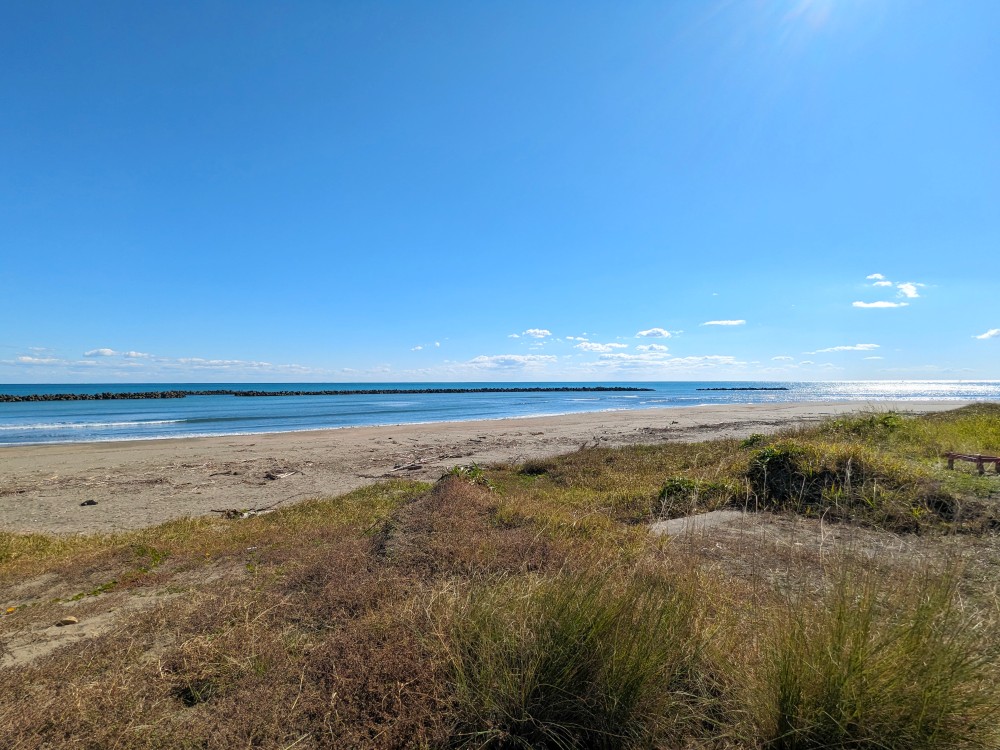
(89, 421)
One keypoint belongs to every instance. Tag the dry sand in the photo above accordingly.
(140, 483)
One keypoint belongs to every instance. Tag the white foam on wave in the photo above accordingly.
(85, 425)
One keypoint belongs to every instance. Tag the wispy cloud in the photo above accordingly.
(879, 304)
(659, 361)
(645, 357)
(850, 348)
(653, 333)
(26, 360)
(510, 361)
(724, 323)
(990, 334)
(220, 364)
(908, 289)
(782, 358)
(593, 346)
(882, 283)
(416, 348)
(873, 358)
(878, 276)
(651, 348)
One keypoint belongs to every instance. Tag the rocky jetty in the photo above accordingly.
(111, 396)
(746, 388)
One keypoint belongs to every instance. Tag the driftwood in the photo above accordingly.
(235, 514)
(280, 474)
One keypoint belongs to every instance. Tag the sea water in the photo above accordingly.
(141, 419)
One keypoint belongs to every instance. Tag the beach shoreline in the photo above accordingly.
(139, 483)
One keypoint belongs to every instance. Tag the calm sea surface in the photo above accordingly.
(87, 421)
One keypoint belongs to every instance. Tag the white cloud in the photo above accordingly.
(882, 283)
(878, 276)
(510, 361)
(652, 348)
(416, 348)
(908, 289)
(880, 304)
(589, 346)
(873, 357)
(513, 335)
(653, 333)
(807, 362)
(537, 333)
(990, 334)
(437, 344)
(782, 358)
(853, 348)
(105, 352)
(724, 323)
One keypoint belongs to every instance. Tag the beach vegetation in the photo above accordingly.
(852, 605)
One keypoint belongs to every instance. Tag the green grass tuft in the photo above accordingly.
(869, 666)
(582, 660)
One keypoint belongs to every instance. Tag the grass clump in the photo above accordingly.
(872, 666)
(580, 660)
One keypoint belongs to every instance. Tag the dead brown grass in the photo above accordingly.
(312, 634)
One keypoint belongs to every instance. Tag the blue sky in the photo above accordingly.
(261, 191)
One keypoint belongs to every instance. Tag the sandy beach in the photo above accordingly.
(141, 483)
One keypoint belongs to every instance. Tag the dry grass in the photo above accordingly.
(527, 606)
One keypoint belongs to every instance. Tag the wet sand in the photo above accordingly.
(141, 483)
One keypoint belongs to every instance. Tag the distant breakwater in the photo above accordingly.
(780, 388)
(112, 396)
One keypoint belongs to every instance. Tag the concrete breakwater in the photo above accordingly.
(114, 396)
(747, 388)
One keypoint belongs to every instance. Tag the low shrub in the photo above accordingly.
(846, 481)
(473, 474)
(752, 441)
(870, 427)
